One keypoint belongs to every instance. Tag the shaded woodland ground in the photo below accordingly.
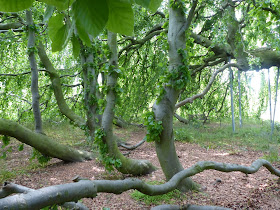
(197, 143)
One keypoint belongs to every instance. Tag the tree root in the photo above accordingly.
(88, 189)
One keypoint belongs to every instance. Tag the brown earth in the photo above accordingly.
(233, 190)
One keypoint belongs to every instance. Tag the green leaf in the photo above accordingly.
(6, 141)
(61, 38)
(14, 5)
(48, 13)
(76, 46)
(20, 148)
(90, 15)
(58, 32)
(59, 4)
(83, 35)
(121, 18)
(153, 5)
(143, 3)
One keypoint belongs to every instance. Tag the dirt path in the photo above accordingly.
(234, 190)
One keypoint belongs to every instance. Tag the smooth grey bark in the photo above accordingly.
(88, 189)
(124, 145)
(231, 99)
(34, 72)
(90, 94)
(240, 98)
(165, 108)
(56, 84)
(181, 119)
(275, 101)
(42, 143)
(128, 166)
(11, 188)
(269, 97)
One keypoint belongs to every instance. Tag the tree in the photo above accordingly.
(192, 52)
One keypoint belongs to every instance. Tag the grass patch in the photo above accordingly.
(168, 198)
(254, 135)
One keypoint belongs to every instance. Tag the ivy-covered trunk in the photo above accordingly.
(90, 83)
(111, 155)
(164, 109)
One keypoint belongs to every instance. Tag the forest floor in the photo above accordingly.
(233, 190)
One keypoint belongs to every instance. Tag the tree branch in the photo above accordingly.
(11, 188)
(134, 146)
(56, 84)
(212, 79)
(42, 143)
(88, 189)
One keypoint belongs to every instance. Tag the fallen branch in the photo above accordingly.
(88, 189)
(11, 188)
(124, 145)
(42, 143)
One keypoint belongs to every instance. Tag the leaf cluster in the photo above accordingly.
(108, 162)
(154, 127)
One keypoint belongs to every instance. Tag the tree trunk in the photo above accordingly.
(90, 95)
(128, 166)
(275, 101)
(231, 99)
(269, 95)
(42, 143)
(34, 72)
(164, 110)
(240, 94)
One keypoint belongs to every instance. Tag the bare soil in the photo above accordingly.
(233, 190)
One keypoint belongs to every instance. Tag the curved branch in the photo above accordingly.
(153, 32)
(134, 146)
(212, 79)
(11, 188)
(181, 119)
(8, 26)
(55, 79)
(88, 189)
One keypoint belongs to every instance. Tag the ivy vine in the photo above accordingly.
(154, 127)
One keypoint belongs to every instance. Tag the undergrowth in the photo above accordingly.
(253, 134)
(168, 198)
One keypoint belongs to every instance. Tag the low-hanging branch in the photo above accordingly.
(212, 79)
(88, 189)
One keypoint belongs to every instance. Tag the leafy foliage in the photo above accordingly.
(154, 127)
(14, 5)
(42, 159)
(108, 162)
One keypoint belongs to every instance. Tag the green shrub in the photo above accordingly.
(183, 135)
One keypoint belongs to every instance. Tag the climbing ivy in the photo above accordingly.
(154, 127)
(108, 162)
